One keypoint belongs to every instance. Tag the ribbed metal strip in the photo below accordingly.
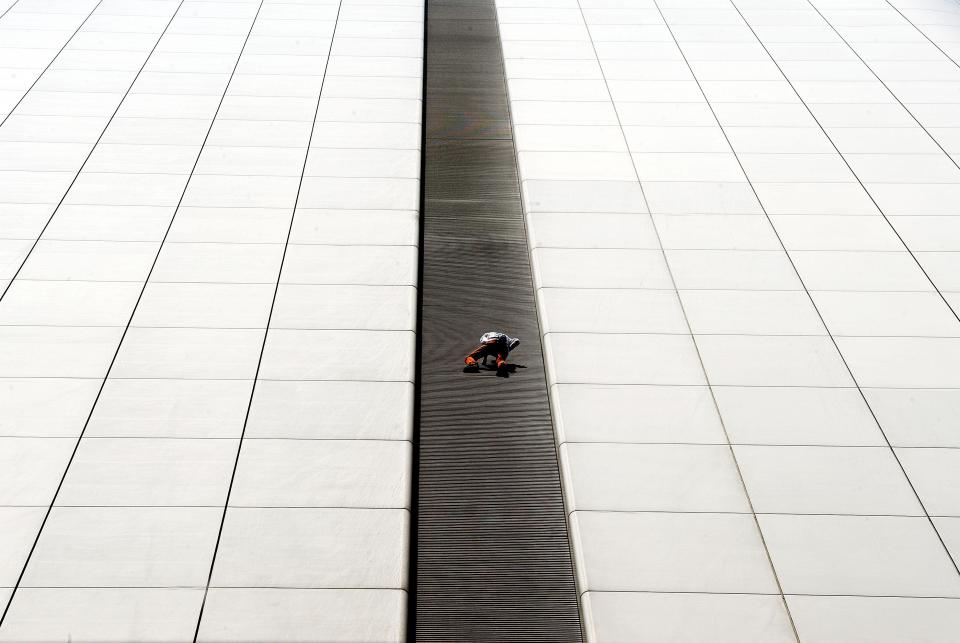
(491, 553)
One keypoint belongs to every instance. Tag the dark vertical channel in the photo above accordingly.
(490, 557)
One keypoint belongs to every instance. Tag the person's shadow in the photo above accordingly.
(507, 372)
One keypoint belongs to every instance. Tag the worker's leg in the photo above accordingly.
(481, 351)
(502, 350)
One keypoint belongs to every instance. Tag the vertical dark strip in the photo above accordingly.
(490, 560)
(411, 629)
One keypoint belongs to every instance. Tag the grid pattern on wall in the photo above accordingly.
(745, 230)
(209, 229)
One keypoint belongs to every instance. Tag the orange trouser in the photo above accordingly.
(497, 347)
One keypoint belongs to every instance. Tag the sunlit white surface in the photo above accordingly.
(165, 258)
(744, 221)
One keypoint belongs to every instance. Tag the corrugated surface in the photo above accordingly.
(492, 555)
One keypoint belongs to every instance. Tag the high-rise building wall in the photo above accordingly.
(740, 220)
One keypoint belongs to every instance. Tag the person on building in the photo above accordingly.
(492, 343)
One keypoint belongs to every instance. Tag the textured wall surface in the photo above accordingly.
(745, 225)
(493, 558)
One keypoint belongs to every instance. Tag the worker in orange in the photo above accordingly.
(492, 343)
